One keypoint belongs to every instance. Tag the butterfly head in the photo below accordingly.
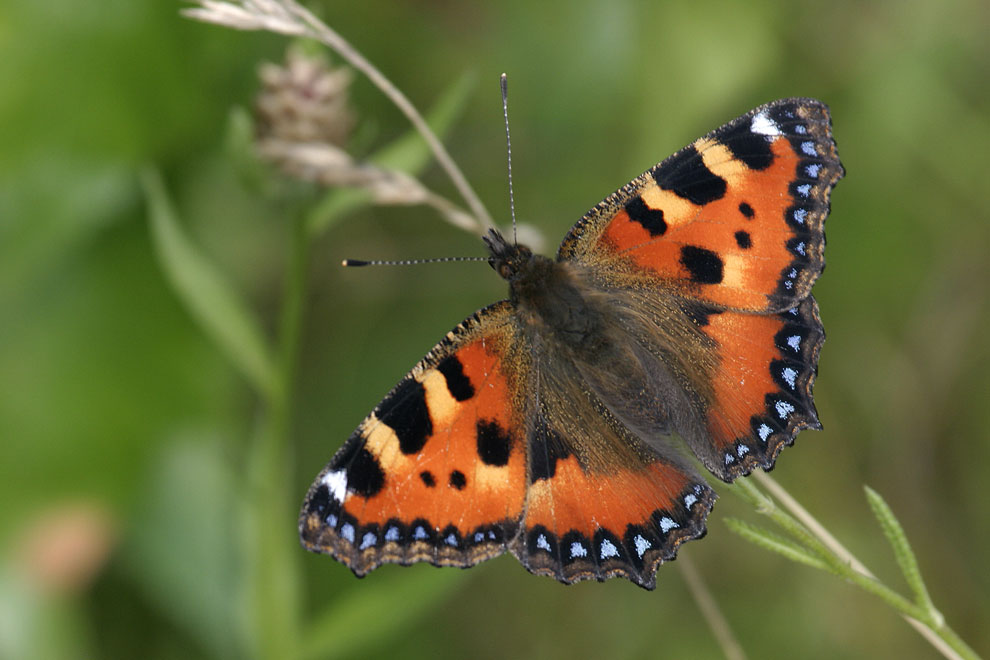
(507, 259)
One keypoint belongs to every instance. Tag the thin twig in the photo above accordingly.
(710, 610)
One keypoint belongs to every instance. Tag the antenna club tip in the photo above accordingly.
(353, 263)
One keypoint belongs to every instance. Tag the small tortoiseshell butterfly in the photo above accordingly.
(679, 306)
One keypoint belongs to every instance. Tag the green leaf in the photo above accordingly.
(409, 153)
(181, 550)
(353, 623)
(239, 146)
(902, 552)
(204, 291)
(770, 541)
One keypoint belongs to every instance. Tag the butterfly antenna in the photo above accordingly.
(353, 263)
(504, 83)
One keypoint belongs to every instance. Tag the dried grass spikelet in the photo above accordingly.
(304, 100)
(303, 122)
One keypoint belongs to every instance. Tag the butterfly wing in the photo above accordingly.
(484, 446)
(728, 234)
(437, 472)
(600, 503)
(736, 219)
(761, 386)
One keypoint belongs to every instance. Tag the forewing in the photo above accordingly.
(437, 471)
(736, 219)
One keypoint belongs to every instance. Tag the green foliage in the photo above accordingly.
(187, 517)
(212, 301)
(812, 547)
(905, 556)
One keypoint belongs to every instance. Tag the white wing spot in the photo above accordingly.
(800, 129)
(451, 540)
(478, 537)
(332, 520)
(764, 125)
(804, 189)
(742, 450)
(783, 409)
(789, 375)
(667, 524)
(336, 483)
(642, 545)
(729, 459)
(368, 540)
(764, 432)
(800, 215)
(794, 341)
(420, 534)
(392, 534)
(800, 248)
(689, 500)
(609, 549)
(813, 170)
(578, 550)
(347, 531)
(542, 543)
(809, 148)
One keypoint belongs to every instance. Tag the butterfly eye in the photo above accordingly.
(504, 270)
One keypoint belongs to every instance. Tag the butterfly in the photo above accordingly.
(678, 312)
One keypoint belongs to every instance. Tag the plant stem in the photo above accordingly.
(275, 574)
(710, 610)
(809, 521)
(295, 290)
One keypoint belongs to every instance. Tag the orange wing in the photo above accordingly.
(731, 229)
(438, 471)
(624, 521)
(762, 386)
(481, 449)
(736, 219)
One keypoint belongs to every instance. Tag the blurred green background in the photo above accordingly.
(126, 435)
